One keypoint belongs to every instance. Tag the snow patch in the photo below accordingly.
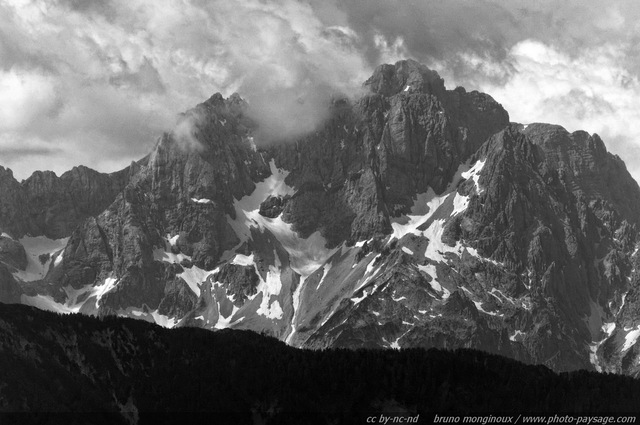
(593, 355)
(271, 287)
(360, 244)
(165, 254)
(296, 309)
(517, 335)
(34, 248)
(162, 320)
(306, 255)
(631, 337)
(624, 299)
(225, 321)
(325, 271)
(173, 240)
(407, 250)
(424, 207)
(243, 260)
(428, 203)
(460, 204)
(474, 174)
(72, 305)
(275, 311)
(202, 201)
(430, 269)
(357, 300)
(47, 303)
(106, 287)
(252, 143)
(58, 259)
(370, 272)
(396, 344)
(608, 329)
(481, 310)
(195, 276)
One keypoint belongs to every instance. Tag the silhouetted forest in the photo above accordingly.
(74, 363)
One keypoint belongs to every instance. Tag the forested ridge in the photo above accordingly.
(75, 363)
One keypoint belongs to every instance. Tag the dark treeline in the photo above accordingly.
(76, 363)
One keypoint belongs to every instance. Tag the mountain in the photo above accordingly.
(81, 369)
(414, 216)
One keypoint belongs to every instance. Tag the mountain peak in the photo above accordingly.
(405, 75)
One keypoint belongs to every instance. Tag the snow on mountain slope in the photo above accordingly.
(76, 299)
(306, 255)
(41, 252)
(417, 218)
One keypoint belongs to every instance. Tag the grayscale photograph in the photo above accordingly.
(319, 212)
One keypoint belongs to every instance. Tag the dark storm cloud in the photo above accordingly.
(449, 31)
(432, 30)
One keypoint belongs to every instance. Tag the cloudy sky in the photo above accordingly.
(95, 82)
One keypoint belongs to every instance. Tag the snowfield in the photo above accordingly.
(34, 248)
(305, 255)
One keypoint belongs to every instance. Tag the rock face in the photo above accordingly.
(371, 158)
(413, 216)
(45, 204)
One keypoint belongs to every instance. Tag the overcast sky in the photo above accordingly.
(95, 82)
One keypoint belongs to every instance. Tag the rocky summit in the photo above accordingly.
(414, 216)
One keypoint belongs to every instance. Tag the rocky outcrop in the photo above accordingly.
(59, 204)
(14, 208)
(537, 266)
(45, 204)
(240, 282)
(185, 189)
(370, 159)
(12, 253)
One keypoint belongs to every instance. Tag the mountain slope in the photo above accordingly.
(414, 216)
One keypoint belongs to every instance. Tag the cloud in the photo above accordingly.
(96, 82)
(575, 63)
(592, 91)
(101, 80)
(184, 130)
(284, 61)
(25, 97)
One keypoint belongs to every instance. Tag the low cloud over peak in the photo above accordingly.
(84, 77)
